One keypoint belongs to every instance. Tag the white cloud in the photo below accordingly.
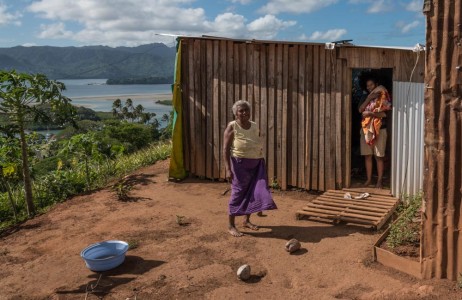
(376, 6)
(405, 28)
(329, 35)
(243, 2)
(303, 37)
(267, 27)
(29, 44)
(54, 31)
(134, 22)
(8, 17)
(415, 5)
(231, 24)
(380, 6)
(295, 6)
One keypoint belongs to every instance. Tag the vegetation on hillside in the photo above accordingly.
(92, 148)
(153, 60)
(165, 102)
(31, 98)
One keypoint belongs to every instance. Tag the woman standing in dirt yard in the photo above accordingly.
(245, 169)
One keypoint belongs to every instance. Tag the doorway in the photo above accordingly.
(358, 95)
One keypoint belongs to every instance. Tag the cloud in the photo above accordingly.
(380, 6)
(405, 28)
(29, 44)
(294, 6)
(134, 22)
(267, 27)
(375, 6)
(8, 17)
(54, 31)
(303, 37)
(243, 2)
(415, 6)
(231, 24)
(329, 35)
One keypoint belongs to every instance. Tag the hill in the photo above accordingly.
(152, 60)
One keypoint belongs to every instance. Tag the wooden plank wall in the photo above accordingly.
(300, 97)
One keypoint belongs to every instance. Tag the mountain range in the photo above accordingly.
(151, 60)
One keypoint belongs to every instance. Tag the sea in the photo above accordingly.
(97, 95)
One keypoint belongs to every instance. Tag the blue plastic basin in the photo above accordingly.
(105, 255)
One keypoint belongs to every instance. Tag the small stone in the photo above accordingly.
(243, 273)
(293, 245)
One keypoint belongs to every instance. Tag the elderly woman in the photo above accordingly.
(245, 169)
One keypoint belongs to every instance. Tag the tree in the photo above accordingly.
(10, 161)
(130, 113)
(29, 98)
(116, 108)
(84, 147)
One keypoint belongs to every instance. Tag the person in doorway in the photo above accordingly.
(374, 129)
(245, 169)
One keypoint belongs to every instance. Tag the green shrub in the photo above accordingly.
(59, 185)
(405, 230)
(45, 166)
(132, 136)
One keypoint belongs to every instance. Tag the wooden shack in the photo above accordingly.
(301, 96)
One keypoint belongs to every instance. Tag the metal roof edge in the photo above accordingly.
(209, 37)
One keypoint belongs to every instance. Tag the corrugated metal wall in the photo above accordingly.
(441, 243)
(407, 138)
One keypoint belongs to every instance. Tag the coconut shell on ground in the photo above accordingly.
(293, 245)
(243, 273)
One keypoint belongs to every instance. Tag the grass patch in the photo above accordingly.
(406, 231)
(133, 244)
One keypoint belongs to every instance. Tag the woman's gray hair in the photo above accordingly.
(240, 103)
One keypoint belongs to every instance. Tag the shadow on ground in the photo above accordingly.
(308, 234)
(102, 283)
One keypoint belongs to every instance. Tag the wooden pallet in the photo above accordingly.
(374, 211)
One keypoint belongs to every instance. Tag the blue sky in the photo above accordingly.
(135, 22)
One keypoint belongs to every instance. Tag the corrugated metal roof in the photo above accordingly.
(206, 37)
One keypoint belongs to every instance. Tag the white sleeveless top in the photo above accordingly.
(247, 143)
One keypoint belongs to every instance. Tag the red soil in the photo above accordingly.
(40, 259)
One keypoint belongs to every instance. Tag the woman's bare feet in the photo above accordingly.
(367, 183)
(248, 224)
(379, 185)
(234, 232)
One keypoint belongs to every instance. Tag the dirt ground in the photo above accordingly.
(40, 259)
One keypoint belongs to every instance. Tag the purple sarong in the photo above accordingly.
(249, 188)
